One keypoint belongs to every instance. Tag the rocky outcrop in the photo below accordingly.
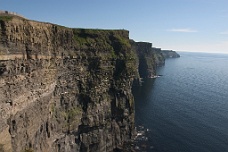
(64, 89)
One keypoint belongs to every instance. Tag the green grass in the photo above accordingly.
(114, 43)
(123, 41)
(87, 36)
(72, 113)
(5, 18)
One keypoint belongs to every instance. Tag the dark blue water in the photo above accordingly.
(187, 108)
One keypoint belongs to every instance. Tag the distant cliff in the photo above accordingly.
(148, 57)
(170, 54)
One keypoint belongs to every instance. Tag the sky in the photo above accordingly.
(180, 25)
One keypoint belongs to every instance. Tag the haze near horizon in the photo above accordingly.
(180, 25)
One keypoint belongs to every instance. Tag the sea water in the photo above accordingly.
(186, 109)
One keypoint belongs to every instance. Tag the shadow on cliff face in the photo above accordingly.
(143, 67)
(84, 101)
(2, 69)
(119, 68)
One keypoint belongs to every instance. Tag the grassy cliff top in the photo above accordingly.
(42, 36)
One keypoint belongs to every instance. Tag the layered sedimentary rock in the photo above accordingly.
(64, 89)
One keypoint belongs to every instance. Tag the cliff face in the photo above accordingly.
(148, 58)
(170, 54)
(64, 89)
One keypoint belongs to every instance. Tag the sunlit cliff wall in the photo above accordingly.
(64, 89)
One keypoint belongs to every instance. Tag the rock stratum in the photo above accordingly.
(66, 89)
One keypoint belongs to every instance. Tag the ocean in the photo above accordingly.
(186, 109)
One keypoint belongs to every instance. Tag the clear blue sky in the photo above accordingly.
(182, 25)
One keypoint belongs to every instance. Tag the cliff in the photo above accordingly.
(64, 89)
(67, 89)
(159, 57)
(148, 58)
(170, 54)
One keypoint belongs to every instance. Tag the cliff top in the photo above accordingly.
(21, 36)
(8, 13)
(9, 16)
